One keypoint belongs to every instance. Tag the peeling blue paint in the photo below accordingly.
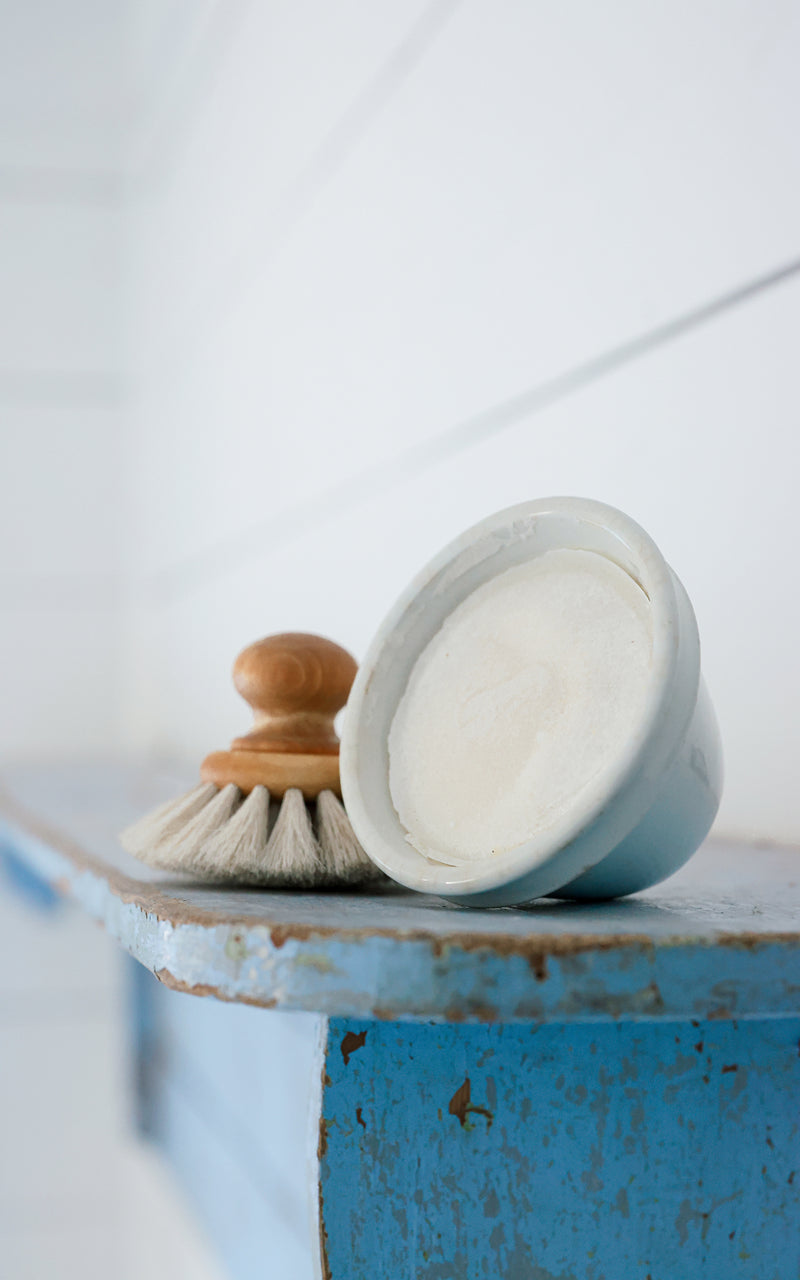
(615, 1152)
(631, 1112)
(23, 880)
(392, 976)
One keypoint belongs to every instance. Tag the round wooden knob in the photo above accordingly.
(295, 684)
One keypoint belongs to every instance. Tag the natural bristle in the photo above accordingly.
(146, 837)
(188, 844)
(346, 861)
(292, 856)
(237, 848)
(224, 838)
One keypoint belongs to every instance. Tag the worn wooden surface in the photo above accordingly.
(632, 1112)
(721, 939)
(604, 1151)
(657, 1151)
(229, 1094)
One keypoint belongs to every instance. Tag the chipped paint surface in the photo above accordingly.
(499, 971)
(587, 1134)
(720, 940)
(224, 1091)
(613, 1152)
(727, 945)
(351, 1041)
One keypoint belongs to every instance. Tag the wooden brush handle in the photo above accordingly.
(295, 684)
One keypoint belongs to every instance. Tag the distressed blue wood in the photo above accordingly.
(568, 1092)
(579, 1152)
(226, 1093)
(608, 1152)
(721, 939)
(21, 877)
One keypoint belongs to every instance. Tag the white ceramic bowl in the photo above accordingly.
(636, 825)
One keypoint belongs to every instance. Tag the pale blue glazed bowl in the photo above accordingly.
(631, 829)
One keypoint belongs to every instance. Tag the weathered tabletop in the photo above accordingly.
(719, 940)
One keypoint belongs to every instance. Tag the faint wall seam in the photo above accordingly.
(63, 388)
(43, 184)
(117, 186)
(171, 127)
(300, 196)
(266, 536)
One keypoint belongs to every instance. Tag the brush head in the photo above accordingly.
(295, 684)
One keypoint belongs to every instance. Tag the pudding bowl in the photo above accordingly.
(531, 720)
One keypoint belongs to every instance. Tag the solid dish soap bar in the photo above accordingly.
(530, 692)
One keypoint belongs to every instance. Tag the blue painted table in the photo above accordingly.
(563, 1092)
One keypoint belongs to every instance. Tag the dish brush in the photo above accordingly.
(268, 811)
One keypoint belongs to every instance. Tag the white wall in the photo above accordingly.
(61, 380)
(75, 1180)
(382, 220)
(292, 292)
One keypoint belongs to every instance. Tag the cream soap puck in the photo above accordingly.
(528, 694)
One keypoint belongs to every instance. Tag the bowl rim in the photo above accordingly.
(544, 862)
